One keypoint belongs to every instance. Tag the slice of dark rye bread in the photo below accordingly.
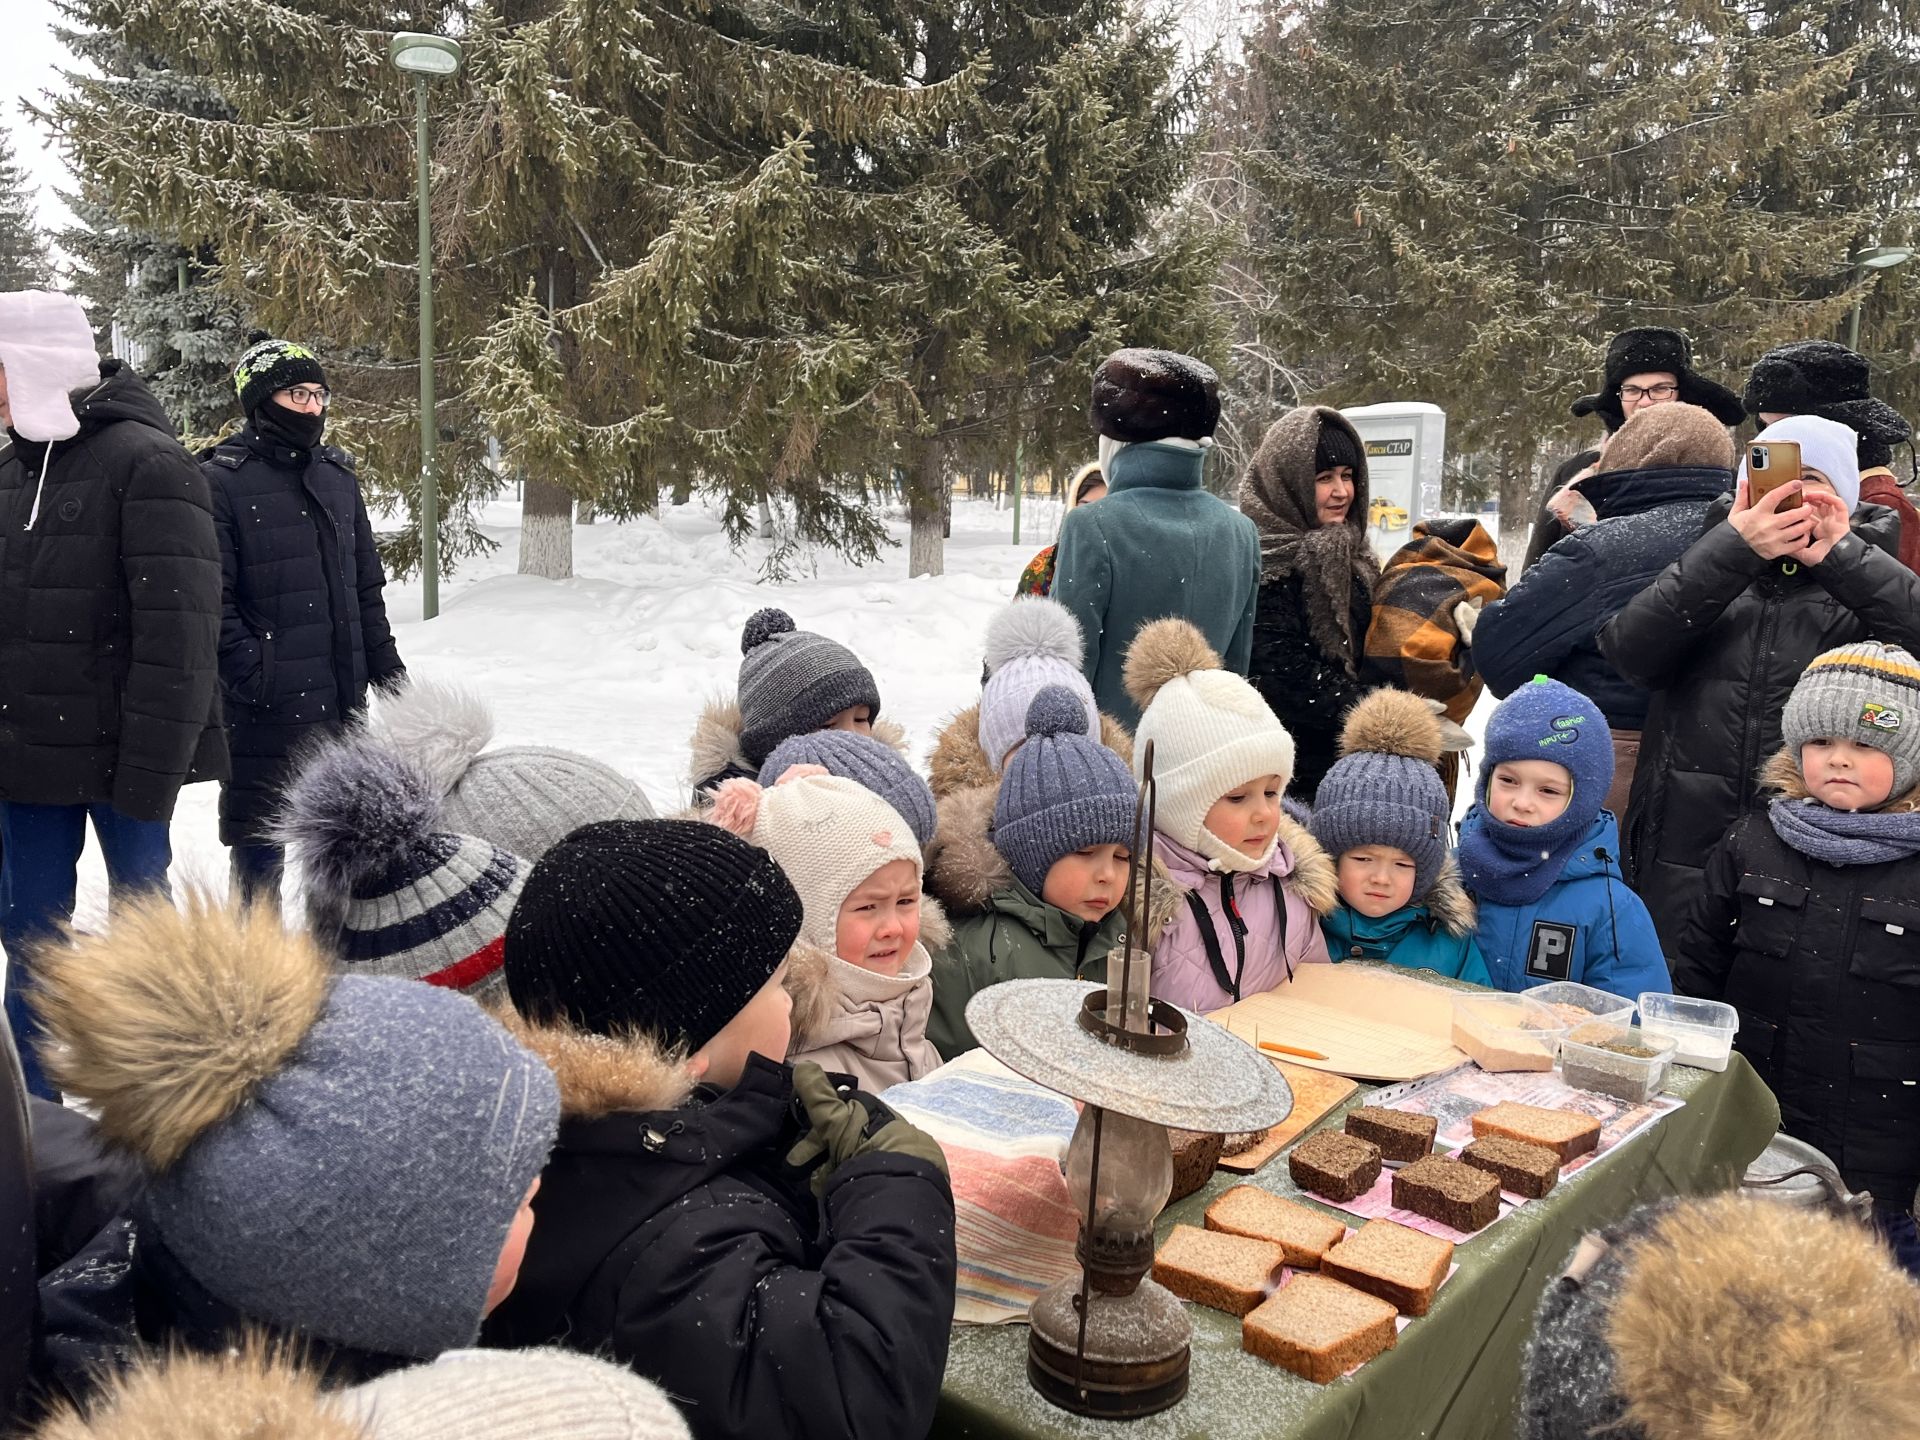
(1400, 1134)
(1319, 1328)
(1567, 1133)
(1529, 1170)
(1335, 1165)
(1441, 1188)
(1225, 1272)
(1401, 1266)
(1304, 1234)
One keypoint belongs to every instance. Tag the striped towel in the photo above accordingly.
(1006, 1141)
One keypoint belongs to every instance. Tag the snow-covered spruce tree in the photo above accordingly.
(24, 261)
(183, 339)
(1459, 202)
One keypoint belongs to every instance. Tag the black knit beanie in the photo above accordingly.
(271, 365)
(665, 926)
(1335, 448)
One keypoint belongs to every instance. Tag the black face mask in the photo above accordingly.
(291, 427)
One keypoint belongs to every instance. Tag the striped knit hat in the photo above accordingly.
(1868, 693)
(400, 897)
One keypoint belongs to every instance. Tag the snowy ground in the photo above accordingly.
(618, 661)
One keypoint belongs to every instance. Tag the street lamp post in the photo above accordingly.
(1883, 257)
(426, 57)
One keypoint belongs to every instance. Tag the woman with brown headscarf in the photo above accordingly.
(1306, 492)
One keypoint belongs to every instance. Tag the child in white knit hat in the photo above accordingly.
(1249, 885)
(859, 973)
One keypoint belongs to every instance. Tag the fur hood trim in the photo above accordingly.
(1742, 1317)
(1781, 774)
(1389, 721)
(959, 761)
(810, 979)
(715, 745)
(1450, 904)
(964, 868)
(602, 1075)
(255, 1391)
(1314, 879)
(169, 1021)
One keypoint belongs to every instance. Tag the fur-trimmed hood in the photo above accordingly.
(1781, 774)
(602, 1075)
(1450, 904)
(963, 866)
(959, 761)
(1744, 1318)
(716, 749)
(256, 1391)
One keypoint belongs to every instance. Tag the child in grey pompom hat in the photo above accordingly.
(342, 1160)
(793, 681)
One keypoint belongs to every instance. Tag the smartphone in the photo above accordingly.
(1771, 464)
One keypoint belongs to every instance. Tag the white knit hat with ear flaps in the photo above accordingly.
(1210, 730)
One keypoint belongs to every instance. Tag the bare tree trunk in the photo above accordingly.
(926, 549)
(1517, 491)
(546, 530)
(682, 490)
(766, 519)
(585, 514)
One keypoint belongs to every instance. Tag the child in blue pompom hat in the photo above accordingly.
(1541, 857)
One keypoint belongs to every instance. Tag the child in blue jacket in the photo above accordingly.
(1382, 811)
(1541, 857)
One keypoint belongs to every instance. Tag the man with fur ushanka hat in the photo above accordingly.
(346, 1161)
(1646, 366)
(1158, 544)
(774, 1274)
(1819, 377)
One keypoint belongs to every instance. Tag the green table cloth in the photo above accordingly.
(1455, 1373)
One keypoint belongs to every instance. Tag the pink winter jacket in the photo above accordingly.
(1182, 973)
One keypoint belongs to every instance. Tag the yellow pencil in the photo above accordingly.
(1277, 1049)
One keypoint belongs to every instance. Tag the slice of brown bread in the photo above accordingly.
(1319, 1328)
(1567, 1133)
(1524, 1169)
(1441, 1188)
(1335, 1165)
(1226, 1272)
(1304, 1234)
(1401, 1266)
(1400, 1134)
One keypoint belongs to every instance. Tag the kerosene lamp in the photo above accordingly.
(1111, 1342)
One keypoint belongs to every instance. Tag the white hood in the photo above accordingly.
(46, 347)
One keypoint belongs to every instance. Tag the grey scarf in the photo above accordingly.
(1844, 837)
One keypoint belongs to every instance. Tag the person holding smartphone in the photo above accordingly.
(1792, 566)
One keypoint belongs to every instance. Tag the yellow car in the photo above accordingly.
(1385, 515)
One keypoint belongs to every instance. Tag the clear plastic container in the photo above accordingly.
(1506, 1032)
(1595, 1004)
(1592, 1058)
(1704, 1029)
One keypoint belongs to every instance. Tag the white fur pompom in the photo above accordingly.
(1034, 626)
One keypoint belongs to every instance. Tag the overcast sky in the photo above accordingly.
(29, 58)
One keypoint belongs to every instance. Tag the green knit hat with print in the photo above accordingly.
(272, 365)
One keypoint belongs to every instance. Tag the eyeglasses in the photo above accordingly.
(1648, 392)
(308, 394)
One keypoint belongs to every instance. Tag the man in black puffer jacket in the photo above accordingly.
(1657, 476)
(303, 629)
(109, 618)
